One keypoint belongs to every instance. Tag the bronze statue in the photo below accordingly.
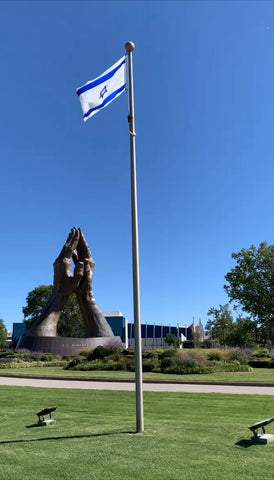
(67, 282)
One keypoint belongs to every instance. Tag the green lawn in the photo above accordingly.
(187, 436)
(257, 375)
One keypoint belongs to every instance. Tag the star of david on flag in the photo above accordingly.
(98, 93)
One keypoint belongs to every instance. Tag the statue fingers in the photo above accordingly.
(66, 250)
(75, 258)
(83, 248)
(71, 243)
(89, 264)
(78, 273)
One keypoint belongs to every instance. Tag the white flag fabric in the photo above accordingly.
(98, 93)
(183, 338)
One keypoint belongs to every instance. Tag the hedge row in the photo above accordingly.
(169, 360)
(23, 364)
(164, 361)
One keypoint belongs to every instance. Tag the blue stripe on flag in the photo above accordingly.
(99, 80)
(107, 100)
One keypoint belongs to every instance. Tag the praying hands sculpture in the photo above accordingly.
(67, 282)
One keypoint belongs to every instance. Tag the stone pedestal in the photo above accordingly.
(263, 439)
(62, 345)
(45, 423)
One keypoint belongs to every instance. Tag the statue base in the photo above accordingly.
(263, 439)
(45, 423)
(63, 345)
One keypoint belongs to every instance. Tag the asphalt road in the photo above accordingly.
(147, 387)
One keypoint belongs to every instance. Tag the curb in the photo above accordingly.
(127, 380)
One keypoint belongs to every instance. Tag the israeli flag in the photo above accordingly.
(98, 93)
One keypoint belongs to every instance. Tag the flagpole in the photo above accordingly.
(135, 250)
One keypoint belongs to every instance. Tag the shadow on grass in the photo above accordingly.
(246, 443)
(93, 435)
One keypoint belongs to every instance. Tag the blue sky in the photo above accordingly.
(204, 111)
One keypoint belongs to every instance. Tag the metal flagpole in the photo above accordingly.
(135, 251)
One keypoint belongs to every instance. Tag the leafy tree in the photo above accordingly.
(196, 337)
(250, 284)
(36, 301)
(3, 334)
(220, 323)
(243, 333)
(171, 340)
(70, 323)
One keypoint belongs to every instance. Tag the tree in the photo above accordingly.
(171, 340)
(250, 284)
(36, 301)
(70, 323)
(3, 334)
(243, 333)
(220, 323)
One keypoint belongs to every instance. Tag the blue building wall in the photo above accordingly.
(159, 331)
(125, 330)
(18, 329)
(117, 325)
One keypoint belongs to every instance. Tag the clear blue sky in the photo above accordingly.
(204, 105)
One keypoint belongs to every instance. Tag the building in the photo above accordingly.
(152, 335)
(18, 329)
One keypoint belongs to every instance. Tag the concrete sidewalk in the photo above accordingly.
(130, 386)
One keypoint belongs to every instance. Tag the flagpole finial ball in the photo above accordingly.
(129, 46)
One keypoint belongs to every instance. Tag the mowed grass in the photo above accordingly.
(187, 436)
(257, 375)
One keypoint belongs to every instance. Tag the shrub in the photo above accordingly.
(6, 353)
(199, 356)
(114, 345)
(22, 364)
(111, 365)
(150, 354)
(97, 364)
(168, 363)
(120, 359)
(66, 357)
(240, 355)
(54, 363)
(75, 361)
(47, 357)
(130, 363)
(128, 353)
(188, 361)
(216, 354)
(231, 367)
(113, 349)
(167, 354)
(98, 353)
(150, 364)
(85, 352)
(179, 369)
(5, 360)
(261, 353)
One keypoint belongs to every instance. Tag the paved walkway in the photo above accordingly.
(148, 387)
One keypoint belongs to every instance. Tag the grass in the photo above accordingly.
(257, 375)
(197, 436)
